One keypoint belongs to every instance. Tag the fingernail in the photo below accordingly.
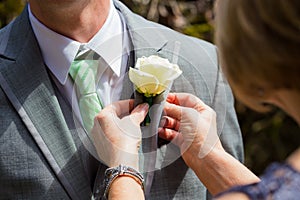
(145, 105)
(142, 106)
(163, 122)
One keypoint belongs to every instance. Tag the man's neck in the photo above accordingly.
(79, 20)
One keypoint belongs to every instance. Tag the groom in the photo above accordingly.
(42, 156)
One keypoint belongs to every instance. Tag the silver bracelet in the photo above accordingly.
(112, 173)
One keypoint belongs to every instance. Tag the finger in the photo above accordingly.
(173, 111)
(121, 108)
(114, 111)
(139, 113)
(186, 100)
(170, 123)
(172, 98)
(171, 135)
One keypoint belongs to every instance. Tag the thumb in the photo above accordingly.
(139, 113)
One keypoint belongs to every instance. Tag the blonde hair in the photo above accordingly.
(259, 43)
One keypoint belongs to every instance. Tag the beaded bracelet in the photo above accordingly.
(122, 170)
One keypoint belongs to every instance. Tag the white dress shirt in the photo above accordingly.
(111, 42)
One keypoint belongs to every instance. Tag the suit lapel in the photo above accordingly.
(26, 82)
(128, 88)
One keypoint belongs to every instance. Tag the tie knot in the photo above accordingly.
(86, 54)
(83, 71)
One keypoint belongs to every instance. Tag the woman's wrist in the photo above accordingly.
(125, 187)
(194, 159)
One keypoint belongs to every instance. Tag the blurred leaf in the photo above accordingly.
(10, 9)
(203, 31)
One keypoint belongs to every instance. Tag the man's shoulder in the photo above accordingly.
(136, 22)
(190, 47)
(186, 39)
(194, 50)
(175, 35)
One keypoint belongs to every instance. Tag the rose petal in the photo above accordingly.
(145, 83)
(161, 72)
(152, 75)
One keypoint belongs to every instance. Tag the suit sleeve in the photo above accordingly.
(227, 123)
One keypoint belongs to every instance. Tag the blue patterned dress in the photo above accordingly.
(279, 182)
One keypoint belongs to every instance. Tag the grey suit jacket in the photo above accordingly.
(41, 156)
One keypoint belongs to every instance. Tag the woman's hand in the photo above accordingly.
(117, 135)
(191, 125)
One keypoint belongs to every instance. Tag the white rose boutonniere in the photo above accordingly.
(153, 75)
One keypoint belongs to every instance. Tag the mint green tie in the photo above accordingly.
(84, 73)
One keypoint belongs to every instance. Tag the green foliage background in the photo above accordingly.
(267, 137)
(9, 9)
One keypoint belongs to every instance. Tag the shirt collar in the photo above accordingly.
(59, 51)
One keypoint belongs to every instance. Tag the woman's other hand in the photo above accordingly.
(117, 135)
